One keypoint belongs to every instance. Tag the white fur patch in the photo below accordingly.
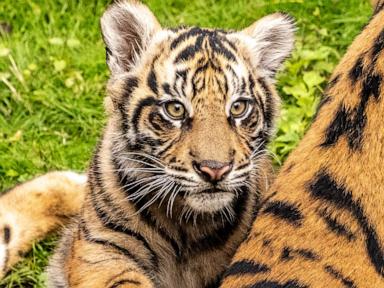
(3, 256)
(209, 202)
(117, 23)
(270, 41)
(76, 177)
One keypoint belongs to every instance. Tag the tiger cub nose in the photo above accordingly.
(212, 171)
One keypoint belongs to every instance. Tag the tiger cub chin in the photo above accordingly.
(176, 178)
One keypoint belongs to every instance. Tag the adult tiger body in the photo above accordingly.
(323, 223)
(174, 183)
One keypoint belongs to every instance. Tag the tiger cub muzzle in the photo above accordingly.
(212, 171)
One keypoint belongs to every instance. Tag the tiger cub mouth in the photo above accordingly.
(212, 191)
(209, 201)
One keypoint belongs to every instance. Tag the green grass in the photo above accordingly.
(52, 80)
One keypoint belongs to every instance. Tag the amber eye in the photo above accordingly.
(239, 108)
(175, 110)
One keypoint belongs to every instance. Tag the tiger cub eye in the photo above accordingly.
(175, 110)
(239, 108)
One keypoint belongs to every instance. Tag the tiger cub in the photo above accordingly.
(323, 224)
(175, 180)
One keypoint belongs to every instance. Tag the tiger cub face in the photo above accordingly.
(194, 107)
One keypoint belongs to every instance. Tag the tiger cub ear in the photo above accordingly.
(127, 28)
(271, 41)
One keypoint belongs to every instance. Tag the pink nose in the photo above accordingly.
(213, 171)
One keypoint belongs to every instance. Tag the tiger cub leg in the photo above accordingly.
(83, 260)
(29, 211)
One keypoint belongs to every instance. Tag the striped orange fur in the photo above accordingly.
(322, 223)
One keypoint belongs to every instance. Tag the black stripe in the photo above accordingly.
(181, 74)
(253, 92)
(337, 128)
(245, 165)
(167, 89)
(251, 120)
(124, 119)
(181, 169)
(275, 284)
(7, 234)
(234, 77)
(371, 87)
(106, 243)
(105, 219)
(246, 267)
(125, 281)
(152, 81)
(130, 85)
(285, 211)
(153, 116)
(336, 274)
(379, 7)
(158, 121)
(215, 40)
(165, 149)
(108, 54)
(351, 123)
(146, 141)
(215, 283)
(178, 28)
(219, 237)
(145, 215)
(149, 101)
(96, 174)
(184, 36)
(324, 187)
(269, 105)
(196, 89)
(333, 81)
(290, 253)
(357, 70)
(190, 51)
(378, 45)
(335, 226)
(148, 218)
(217, 46)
